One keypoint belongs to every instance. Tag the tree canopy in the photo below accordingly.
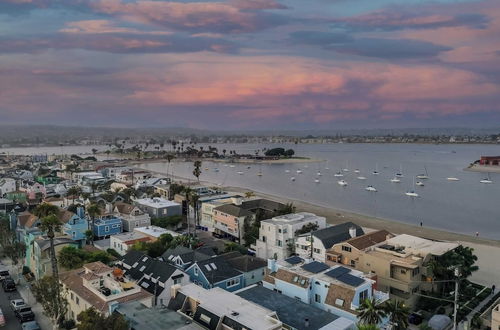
(91, 319)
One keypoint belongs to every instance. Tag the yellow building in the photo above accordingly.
(399, 262)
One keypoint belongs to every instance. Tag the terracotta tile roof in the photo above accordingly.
(73, 280)
(342, 293)
(364, 241)
(285, 275)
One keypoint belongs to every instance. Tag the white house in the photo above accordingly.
(324, 239)
(7, 185)
(122, 243)
(338, 290)
(277, 233)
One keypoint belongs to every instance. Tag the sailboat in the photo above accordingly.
(486, 180)
(338, 174)
(342, 183)
(376, 172)
(419, 183)
(299, 171)
(346, 169)
(370, 188)
(423, 176)
(240, 172)
(287, 171)
(361, 177)
(319, 173)
(260, 171)
(412, 193)
(400, 173)
(395, 180)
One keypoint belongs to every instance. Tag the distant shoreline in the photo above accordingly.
(231, 161)
(483, 168)
(335, 216)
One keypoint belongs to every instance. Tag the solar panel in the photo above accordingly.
(337, 272)
(351, 280)
(315, 267)
(294, 260)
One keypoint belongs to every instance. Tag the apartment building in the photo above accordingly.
(99, 286)
(277, 233)
(338, 290)
(399, 262)
(158, 207)
(495, 318)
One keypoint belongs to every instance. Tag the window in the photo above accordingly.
(77, 301)
(279, 243)
(317, 250)
(137, 223)
(264, 239)
(195, 271)
(178, 280)
(106, 228)
(279, 230)
(363, 295)
(115, 226)
(346, 248)
(284, 230)
(353, 263)
(232, 282)
(74, 234)
(317, 298)
(415, 272)
(403, 271)
(339, 302)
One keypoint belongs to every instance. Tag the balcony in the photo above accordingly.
(380, 296)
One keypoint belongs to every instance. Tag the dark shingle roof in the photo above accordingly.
(234, 210)
(131, 257)
(152, 267)
(336, 234)
(290, 311)
(223, 270)
(264, 204)
(187, 255)
(244, 263)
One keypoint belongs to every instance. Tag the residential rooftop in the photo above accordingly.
(421, 246)
(292, 218)
(156, 202)
(155, 231)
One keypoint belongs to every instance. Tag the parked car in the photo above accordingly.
(31, 325)
(2, 318)
(4, 273)
(25, 314)
(17, 304)
(9, 285)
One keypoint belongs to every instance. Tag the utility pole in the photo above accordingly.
(455, 311)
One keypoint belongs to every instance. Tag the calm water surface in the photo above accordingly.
(464, 206)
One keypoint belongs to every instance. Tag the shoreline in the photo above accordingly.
(483, 169)
(228, 161)
(335, 216)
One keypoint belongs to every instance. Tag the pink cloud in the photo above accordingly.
(196, 16)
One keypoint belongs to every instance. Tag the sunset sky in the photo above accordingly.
(250, 64)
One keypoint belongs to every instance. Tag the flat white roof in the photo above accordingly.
(156, 202)
(293, 218)
(128, 236)
(155, 231)
(221, 302)
(418, 245)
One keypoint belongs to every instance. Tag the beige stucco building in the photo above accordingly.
(99, 286)
(495, 318)
(399, 262)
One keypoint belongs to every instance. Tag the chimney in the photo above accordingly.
(352, 232)
(306, 323)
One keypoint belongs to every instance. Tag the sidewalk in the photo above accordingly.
(25, 292)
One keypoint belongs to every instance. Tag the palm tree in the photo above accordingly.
(194, 203)
(74, 191)
(398, 313)
(370, 311)
(197, 169)
(51, 224)
(367, 327)
(249, 194)
(93, 211)
(187, 194)
(45, 209)
(169, 157)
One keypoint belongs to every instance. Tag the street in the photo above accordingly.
(23, 291)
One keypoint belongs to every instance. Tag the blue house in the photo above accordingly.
(75, 225)
(215, 272)
(183, 257)
(107, 225)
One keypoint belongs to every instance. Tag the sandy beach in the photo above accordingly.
(487, 250)
(483, 168)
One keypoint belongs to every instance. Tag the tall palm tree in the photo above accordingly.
(197, 169)
(370, 311)
(73, 192)
(93, 211)
(187, 195)
(45, 209)
(398, 313)
(169, 158)
(51, 224)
